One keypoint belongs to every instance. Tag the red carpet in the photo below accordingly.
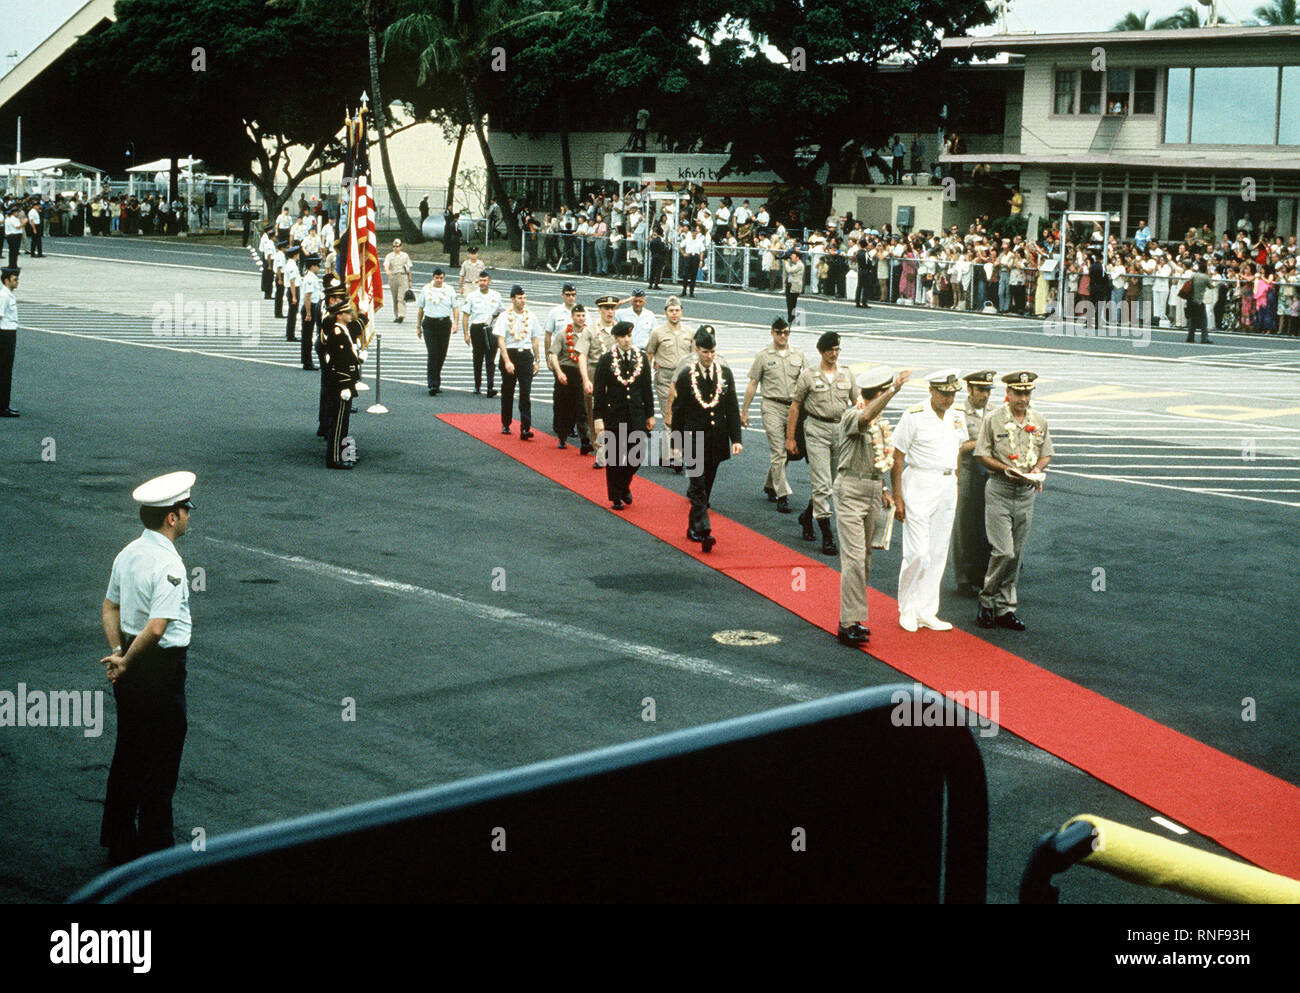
(1242, 808)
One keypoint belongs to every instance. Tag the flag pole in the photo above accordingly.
(377, 407)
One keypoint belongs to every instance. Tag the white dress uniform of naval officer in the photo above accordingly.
(146, 618)
(926, 442)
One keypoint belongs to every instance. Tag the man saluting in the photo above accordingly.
(705, 407)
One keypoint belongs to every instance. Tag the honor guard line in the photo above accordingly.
(1240, 807)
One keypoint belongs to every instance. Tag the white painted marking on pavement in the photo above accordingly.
(1170, 825)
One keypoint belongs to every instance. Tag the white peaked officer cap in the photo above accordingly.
(165, 491)
(944, 380)
(875, 379)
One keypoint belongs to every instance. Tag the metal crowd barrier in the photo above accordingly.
(834, 800)
(1147, 860)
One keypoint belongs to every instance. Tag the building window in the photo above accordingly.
(1144, 91)
(1090, 92)
(1064, 99)
(1119, 83)
(1241, 105)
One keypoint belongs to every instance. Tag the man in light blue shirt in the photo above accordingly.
(1142, 237)
(435, 309)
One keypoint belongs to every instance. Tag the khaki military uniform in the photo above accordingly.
(825, 401)
(776, 373)
(1008, 503)
(970, 544)
(667, 349)
(861, 468)
(595, 341)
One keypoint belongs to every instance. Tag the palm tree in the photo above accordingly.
(455, 38)
(1184, 17)
(1281, 12)
(1133, 21)
(410, 230)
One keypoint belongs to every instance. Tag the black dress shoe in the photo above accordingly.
(708, 541)
(627, 498)
(854, 634)
(338, 465)
(491, 393)
(526, 435)
(586, 448)
(433, 392)
(505, 429)
(985, 618)
(678, 468)
(692, 536)
(9, 412)
(562, 444)
(1010, 620)
(806, 520)
(771, 494)
(782, 505)
(618, 504)
(311, 368)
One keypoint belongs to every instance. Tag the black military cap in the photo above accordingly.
(622, 329)
(608, 300)
(780, 324)
(568, 288)
(705, 337)
(438, 272)
(579, 309)
(828, 341)
(516, 290)
(982, 378)
(8, 271)
(1020, 380)
(311, 260)
(282, 244)
(338, 305)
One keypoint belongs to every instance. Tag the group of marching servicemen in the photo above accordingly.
(953, 473)
(319, 314)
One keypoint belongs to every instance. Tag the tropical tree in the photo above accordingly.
(456, 40)
(1185, 17)
(1279, 13)
(1133, 21)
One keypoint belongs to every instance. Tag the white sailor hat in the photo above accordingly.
(171, 490)
(876, 378)
(945, 380)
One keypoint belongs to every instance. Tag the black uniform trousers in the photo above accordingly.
(279, 298)
(268, 281)
(523, 375)
(690, 272)
(657, 261)
(970, 545)
(151, 726)
(483, 346)
(437, 336)
(323, 411)
(291, 313)
(15, 242)
(338, 417)
(791, 302)
(310, 326)
(8, 344)
(698, 491)
(35, 243)
(569, 405)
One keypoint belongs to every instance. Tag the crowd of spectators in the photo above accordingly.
(107, 213)
(991, 267)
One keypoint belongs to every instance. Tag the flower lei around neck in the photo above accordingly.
(1029, 433)
(510, 323)
(882, 451)
(695, 387)
(617, 362)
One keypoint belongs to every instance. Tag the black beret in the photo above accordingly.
(621, 328)
(516, 290)
(780, 324)
(828, 341)
(704, 337)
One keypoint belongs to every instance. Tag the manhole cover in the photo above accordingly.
(745, 638)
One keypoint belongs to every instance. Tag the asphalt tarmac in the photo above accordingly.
(1178, 473)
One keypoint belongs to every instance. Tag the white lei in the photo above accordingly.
(695, 387)
(636, 370)
(1016, 433)
(510, 323)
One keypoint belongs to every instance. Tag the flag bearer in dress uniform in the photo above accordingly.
(518, 335)
(970, 543)
(335, 291)
(924, 475)
(436, 309)
(777, 369)
(594, 342)
(313, 296)
(705, 407)
(863, 455)
(266, 250)
(277, 267)
(342, 373)
(146, 617)
(569, 407)
(825, 391)
(292, 284)
(1014, 437)
(624, 405)
(670, 345)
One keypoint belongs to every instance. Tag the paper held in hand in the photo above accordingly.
(1028, 477)
(882, 529)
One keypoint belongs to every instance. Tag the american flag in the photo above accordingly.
(365, 280)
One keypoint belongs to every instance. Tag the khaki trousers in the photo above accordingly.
(856, 501)
(821, 463)
(397, 286)
(1008, 514)
(776, 417)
